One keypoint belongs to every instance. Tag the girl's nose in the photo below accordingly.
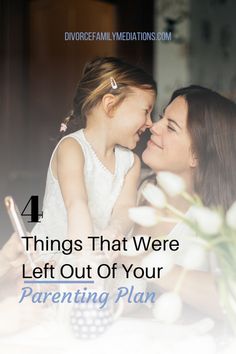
(149, 122)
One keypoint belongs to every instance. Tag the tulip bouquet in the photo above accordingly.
(212, 231)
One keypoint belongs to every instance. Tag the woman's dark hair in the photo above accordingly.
(211, 124)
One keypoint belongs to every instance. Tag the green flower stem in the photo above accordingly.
(176, 212)
(188, 197)
(166, 219)
(180, 280)
(218, 241)
(225, 303)
(222, 244)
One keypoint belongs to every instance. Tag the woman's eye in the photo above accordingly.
(171, 129)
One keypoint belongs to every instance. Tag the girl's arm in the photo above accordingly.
(120, 223)
(70, 174)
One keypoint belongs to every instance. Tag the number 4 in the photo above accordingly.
(34, 200)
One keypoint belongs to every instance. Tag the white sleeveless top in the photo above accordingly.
(188, 241)
(103, 189)
(187, 238)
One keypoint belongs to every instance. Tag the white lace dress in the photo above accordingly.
(103, 189)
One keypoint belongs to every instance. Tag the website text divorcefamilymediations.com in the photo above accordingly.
(117, 36)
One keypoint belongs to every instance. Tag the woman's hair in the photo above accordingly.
(106, 75)
(211, 124)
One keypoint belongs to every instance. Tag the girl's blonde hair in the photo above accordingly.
(106, 75)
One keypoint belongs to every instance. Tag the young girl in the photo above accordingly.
(92, 176)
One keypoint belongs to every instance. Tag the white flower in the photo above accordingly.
(231, 297)
(195, 344)
(171, 183)
(231, 216)
(232, 303)
(154, 195)
(144, 216)
(131, 249)
(195, 257)
(231, 347)
(159, 259)
(203, 326)
(208, 221)
(168, 307)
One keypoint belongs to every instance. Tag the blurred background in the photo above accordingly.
(39, 69)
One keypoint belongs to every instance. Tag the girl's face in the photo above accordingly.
(133, 117)
(169, 147)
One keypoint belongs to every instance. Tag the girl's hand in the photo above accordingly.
(111, 234)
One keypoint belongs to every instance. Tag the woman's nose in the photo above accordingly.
(157, 128)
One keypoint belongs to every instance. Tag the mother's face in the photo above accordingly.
(169, 147)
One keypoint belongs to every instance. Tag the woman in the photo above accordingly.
(195, 139)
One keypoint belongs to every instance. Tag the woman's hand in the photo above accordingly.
(12, 255)
(13, 248)
(16, 317)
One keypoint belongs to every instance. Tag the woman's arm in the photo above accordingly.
(70, 174)
(12, 256)
(120, 222)
(197, 289)
(4, 264)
